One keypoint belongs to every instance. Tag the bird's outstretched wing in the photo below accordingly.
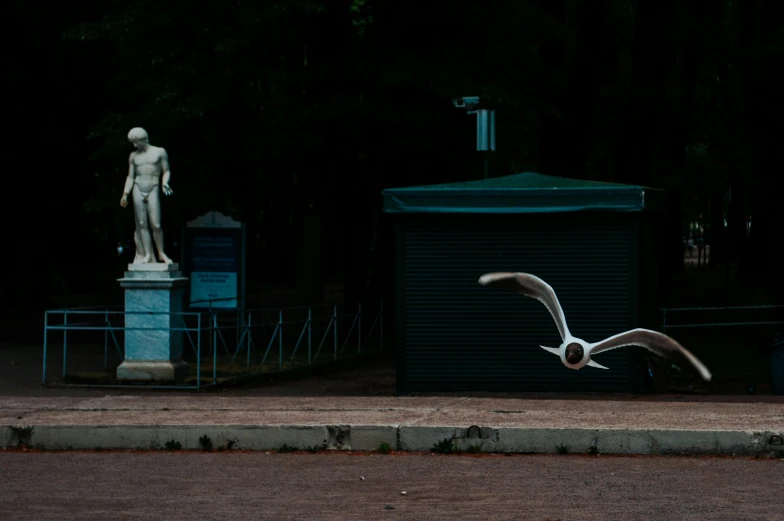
(652, 341)
(530, 286)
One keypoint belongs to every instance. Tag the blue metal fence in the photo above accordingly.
(222, 336)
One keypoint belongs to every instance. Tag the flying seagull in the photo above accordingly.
(575, 352)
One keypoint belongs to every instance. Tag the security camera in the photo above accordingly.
(485, 121)
(466, 102)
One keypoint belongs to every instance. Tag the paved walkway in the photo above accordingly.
(357, 410)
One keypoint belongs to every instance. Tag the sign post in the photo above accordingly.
(214, 258)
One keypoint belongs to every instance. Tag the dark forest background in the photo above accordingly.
(293, 115)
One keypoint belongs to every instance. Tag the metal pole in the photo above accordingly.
(359, 328)
(198, 353)
(250, 320)
(280, 340)
(215, 351)
(106, 341)
(664, 321)
(212, 345)
(310, 331)
(46, 331)
(263, 326)
(335, 329)
(65, 340)
(381, 325)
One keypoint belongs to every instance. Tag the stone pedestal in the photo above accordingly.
(154, 295)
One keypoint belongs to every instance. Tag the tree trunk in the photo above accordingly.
(757, 18)
(670, 238)
(310, 256)
(718, 237)
(589, 67)
(649, 157)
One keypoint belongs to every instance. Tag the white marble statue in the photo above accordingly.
(148, 173)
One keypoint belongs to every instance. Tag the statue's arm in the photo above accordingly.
(165, 167)
(131, 175)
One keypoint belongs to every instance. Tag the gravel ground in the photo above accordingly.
(238, 486)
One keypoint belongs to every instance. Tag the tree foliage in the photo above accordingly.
(268, 107)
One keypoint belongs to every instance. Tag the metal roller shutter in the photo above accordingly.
(460, 336)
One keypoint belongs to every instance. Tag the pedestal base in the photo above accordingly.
(161, 370)
(154, 323)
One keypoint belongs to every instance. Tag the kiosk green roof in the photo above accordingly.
(527, 192)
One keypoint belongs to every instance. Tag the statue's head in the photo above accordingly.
(138, 137)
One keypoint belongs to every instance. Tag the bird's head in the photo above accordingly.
(574, 353)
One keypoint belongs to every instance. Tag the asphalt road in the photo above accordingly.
(238, 486)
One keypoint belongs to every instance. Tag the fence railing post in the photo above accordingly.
(664, 321)
(335, 329)
(214, 335)
(65, 341)
(247, 340)
(310, 331)
(215, 350)
(359, 328)
(46, 334)
(211, 339)
(381, 325)
(106, 341)
(198, 352)
(280, 340)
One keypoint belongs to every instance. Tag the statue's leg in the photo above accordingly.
(154, 212)
(137, 240)
(140, 209)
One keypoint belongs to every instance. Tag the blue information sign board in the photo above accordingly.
(215, 261)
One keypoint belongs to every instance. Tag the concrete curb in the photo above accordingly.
(398, 437)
